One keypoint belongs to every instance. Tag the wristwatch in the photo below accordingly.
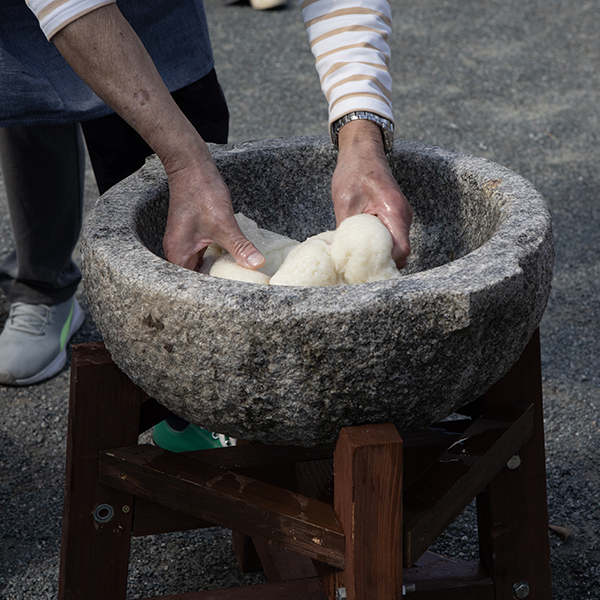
(386, 126)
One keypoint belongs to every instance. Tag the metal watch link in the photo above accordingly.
(386, 126)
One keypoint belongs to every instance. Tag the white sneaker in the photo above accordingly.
(33, 345)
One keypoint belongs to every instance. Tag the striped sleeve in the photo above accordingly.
(348, 39)
(53, 15)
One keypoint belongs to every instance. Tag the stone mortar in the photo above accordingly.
(292, 365)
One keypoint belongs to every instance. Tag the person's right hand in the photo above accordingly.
(200, 212)
(363, 183)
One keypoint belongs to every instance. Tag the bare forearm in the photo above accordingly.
(107, 54)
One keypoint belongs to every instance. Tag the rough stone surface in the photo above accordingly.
(293, 365)
(486, 78)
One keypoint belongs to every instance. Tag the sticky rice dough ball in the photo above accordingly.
(226, 268)
(362, 250)
(309, 264)
(358, 251)
(274, 247)
(211, 255)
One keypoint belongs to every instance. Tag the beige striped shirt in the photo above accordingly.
(349, 41)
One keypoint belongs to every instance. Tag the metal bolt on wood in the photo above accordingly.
(104, 513)
(514, 463)
(521, 590)
(340, 593)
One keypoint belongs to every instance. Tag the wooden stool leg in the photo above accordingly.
(368, 504)
(512, 512)
(104, 409)
(245, 553)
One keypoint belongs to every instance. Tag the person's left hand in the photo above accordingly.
(363, 183)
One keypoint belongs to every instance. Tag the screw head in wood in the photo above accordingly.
(521, 590)
(514, 462)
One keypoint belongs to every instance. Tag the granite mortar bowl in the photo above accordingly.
(292, 365)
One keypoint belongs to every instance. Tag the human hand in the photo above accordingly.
(200, 212)
(363, 183)
(108, 55)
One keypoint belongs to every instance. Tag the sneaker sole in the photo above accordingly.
(61, 360)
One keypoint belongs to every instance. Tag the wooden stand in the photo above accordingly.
(352, 522)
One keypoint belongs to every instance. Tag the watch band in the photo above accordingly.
(386, 126)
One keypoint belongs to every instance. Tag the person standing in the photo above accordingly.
(42, 155)
(349, 41)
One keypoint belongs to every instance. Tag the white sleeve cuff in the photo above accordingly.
(53, 15)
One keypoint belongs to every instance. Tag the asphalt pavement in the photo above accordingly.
(515, 81)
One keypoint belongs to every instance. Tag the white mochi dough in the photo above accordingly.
(358, 251)
(273, 246)
(362, 250)
(310, 263)
(226, 268)
(211, 254)
(326, 236)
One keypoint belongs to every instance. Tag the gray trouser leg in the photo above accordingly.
(44, 169)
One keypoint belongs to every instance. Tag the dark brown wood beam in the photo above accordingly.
(227, 499)
(444, 579)
(307, 589)
(460, 473)
(513, 510)
(368, 503)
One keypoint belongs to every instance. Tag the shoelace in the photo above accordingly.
(225, 440)
(28, 318)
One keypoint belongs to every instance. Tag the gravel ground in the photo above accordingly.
(514, 81)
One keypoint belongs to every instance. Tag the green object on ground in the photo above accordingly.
(188, 439)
